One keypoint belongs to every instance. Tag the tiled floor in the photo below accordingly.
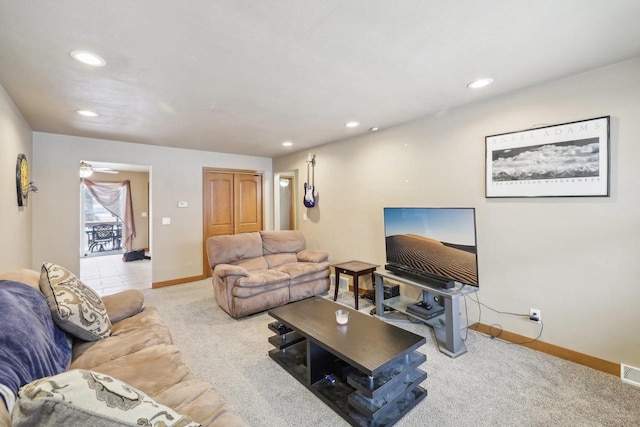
(109, 274)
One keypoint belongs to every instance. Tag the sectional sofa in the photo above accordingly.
(69, 357)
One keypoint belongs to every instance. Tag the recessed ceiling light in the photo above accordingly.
(88, 58)
(87, 113)
(477, 84)
(374, 129)
(352, 124)
(287, 144)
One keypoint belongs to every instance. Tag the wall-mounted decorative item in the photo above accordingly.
(22, 179)
(310, 189)
(570, 159)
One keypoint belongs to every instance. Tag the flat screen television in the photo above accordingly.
(436, 246)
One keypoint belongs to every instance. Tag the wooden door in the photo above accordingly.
(218, 203)
(248, 203)
(232, 204)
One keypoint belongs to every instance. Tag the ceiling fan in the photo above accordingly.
(86, 170)
(105, 170)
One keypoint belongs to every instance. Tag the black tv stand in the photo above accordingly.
(447, 330)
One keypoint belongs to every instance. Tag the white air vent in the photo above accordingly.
(344, 281)
(630, 375)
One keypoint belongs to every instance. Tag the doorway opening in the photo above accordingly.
(285, 212)
(102, 228)
(106, 231)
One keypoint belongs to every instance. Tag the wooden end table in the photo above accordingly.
(354, 269)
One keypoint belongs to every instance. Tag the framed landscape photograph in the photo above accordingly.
(565, 160)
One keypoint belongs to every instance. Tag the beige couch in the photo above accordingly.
(253, 272)
(139, 351)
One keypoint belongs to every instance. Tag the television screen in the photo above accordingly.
(437, 245)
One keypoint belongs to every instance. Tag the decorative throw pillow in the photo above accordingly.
(75, 307)
(86, 398)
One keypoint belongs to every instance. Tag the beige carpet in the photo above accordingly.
(494, 384)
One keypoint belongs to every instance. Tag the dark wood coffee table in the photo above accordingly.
(366, 371)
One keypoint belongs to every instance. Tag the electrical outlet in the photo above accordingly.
(535, 315)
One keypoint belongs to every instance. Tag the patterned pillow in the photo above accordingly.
(86, 398)
(75, 307)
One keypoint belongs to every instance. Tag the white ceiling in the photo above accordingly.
(241, 76)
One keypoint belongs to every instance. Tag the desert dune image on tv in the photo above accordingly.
(439, 241)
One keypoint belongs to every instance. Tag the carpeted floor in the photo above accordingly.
(494, 384)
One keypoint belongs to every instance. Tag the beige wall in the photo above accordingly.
(15, 222)
(139, 199)
(175, 175)
(575, 259)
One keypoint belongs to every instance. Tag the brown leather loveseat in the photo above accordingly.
(253, 272)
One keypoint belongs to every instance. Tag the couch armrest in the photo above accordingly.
(23, 275)
(224, 270)
(123, 304)
(312, 256)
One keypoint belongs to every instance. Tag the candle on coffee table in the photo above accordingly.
(342, 317)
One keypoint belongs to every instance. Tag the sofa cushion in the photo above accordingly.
(128, 336)
(148, 316)
(152, 369)
(259, 278)
(228, 248)
(275, 260)
(75, 307)
(5, 418)
(300, 272)
(85, 398)
(201, 402)
(258, 263)
(276, 242)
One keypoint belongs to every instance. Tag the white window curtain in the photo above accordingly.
(116, 198)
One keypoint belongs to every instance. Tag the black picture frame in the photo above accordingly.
(565, 160)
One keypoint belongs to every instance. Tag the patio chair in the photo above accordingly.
(100, 235)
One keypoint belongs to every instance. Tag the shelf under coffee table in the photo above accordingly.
(366, 371)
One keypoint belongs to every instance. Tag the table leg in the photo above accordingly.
(337, 285)
(355, 289)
